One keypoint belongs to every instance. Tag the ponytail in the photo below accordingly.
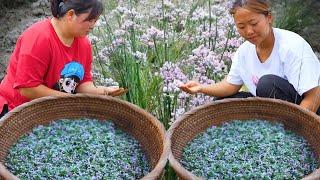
(55, 8)
(60, 7)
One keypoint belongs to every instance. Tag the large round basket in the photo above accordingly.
(126, 116)
(184, 130)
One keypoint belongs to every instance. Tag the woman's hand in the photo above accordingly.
(114, 91)
(221, 89)
(311, 100)
(191, 87)
(4, 173)
(89, 87)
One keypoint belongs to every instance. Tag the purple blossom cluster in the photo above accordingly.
(151, 35)
(172, 77)
(199, 14)
(140, 57)
(205, 62)
(105, 53)
(127, 13)
(158, 11)
(100, 80)
(93, 39)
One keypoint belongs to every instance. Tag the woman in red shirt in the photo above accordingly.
(54, 56)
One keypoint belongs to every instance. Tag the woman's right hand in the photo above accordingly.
(191, 87)
(114, 91)
(5, 174)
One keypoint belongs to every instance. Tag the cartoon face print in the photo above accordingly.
(70, 77)
(67, 85)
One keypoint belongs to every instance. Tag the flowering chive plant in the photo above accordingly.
(152, 52)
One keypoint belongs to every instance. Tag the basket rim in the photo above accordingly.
(156, 171)
(187, 174)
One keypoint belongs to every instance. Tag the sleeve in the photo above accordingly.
(302, 68)
(88, 63)
(33, 61)
(234, 73)
(3, 101)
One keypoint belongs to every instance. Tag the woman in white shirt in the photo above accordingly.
(272, 63)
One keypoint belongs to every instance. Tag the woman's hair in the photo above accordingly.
(60, 7)
(258, 6)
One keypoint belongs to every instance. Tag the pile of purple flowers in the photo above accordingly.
(253, 149)
(88, 149)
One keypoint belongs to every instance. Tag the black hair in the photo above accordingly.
(60, 7)
(258, 6)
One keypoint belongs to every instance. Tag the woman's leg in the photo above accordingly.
(4, 111)
(241, 95)
(272, 86)
(238, 95)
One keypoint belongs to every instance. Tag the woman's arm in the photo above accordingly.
(40, 91)
(89, 87)
(221, 89)
(311, 99)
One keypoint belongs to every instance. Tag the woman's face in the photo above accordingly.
(81, 27)
(254, 27)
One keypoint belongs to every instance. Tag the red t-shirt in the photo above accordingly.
(39, 58)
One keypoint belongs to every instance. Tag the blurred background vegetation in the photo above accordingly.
(13, 3)
(300, 16)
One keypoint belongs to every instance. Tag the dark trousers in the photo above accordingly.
(272, 86)
(4, 111)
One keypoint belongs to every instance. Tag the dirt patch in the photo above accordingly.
(14, 22)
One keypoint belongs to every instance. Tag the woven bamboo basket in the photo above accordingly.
(126, 116)
(295, 118)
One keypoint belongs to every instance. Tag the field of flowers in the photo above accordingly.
(152, 47)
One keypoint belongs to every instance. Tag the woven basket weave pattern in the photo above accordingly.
(192, 123)
(128, 117)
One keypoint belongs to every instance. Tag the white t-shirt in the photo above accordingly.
(291, 58)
